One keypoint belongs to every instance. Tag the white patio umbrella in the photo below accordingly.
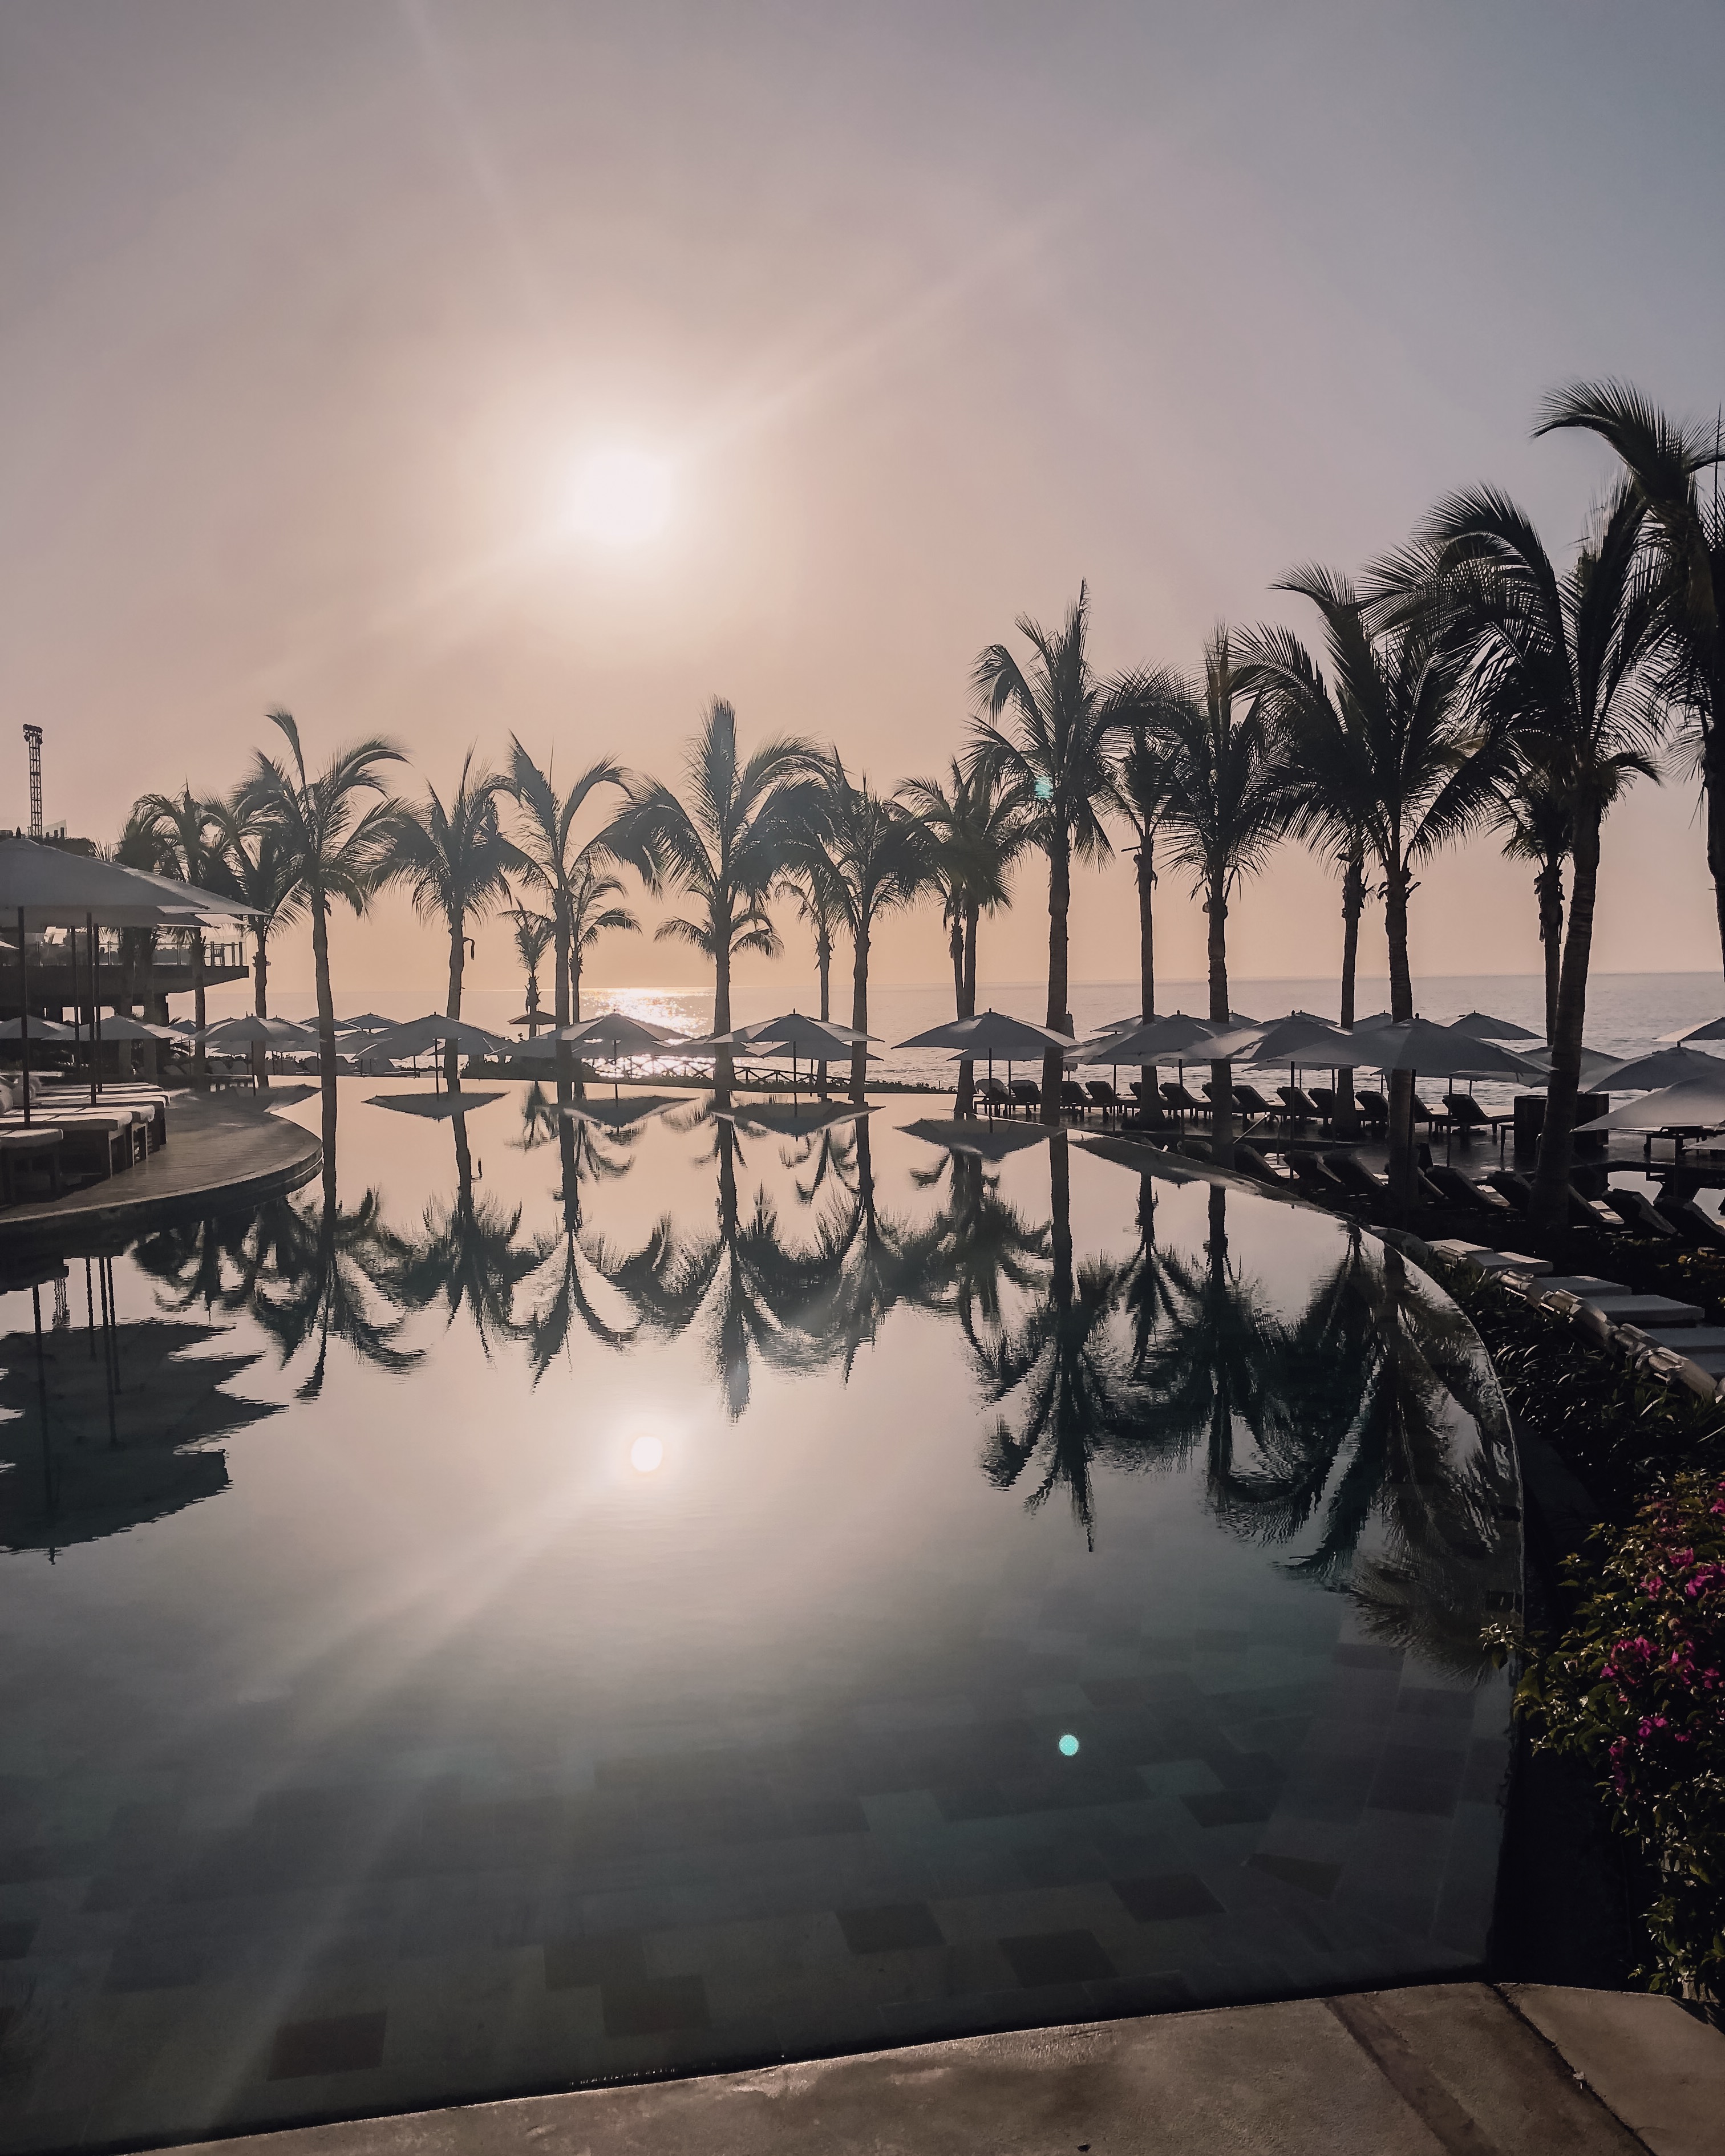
(1484, 1028)
(1714, 1029)
(43, 1028)
(993, 1035)
(793, 1034)
(432, 1031)
(1697, 1104)
(1665, 1066)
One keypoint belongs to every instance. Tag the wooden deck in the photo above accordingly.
(220, 1152)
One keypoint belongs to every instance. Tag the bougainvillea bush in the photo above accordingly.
(1636, 1686)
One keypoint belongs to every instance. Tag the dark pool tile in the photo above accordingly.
(1431, 1703)
(16, 1934)
(1217, 1642)
(882, 1931)
(604, 1958)
(1113, 1694)
(156, 1964)
(1123, 1995)
(656, 2007)
(1482, 1778)
(1228, 1807)
(25, 1863)
(1167, 1895)
(1040, 1958)
(1359, 1656)
(1300, 1871)
(342, 2043)
(826, 1815)
(1061, 1864)
(1411, 1778)
(1242, 1770)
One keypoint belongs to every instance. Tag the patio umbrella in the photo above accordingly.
(1175, 1038)
(987, 1141)
(120, 1027)
(1417, 1044)
(1714, 1029)
(613, 1035)
(990, 1036)
(1491, 1028)
(1665, 1066)
(367, 1022)
(1697, 1104)
(619, 1115)
(41, 1028)
(1597, 1066)
(772, 1119)
(1375, 1023)
(431, 1031)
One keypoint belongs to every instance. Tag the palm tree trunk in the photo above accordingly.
(1221, 1073)
(452, 1053)
(1147, 954)
(1713, 783)
(1550, 1210)
(326, 1033)
(200, 1061)
(561, 990)
(824, 967)
(1353, 905)
(260, 1008)
(1059, 1019)
(724, 1064)
(859, 1006)
(147, 992)
(1548, 891)
(1402, 1186)
(965, 1104)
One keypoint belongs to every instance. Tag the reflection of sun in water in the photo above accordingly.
(620, 497)
(646, 1453)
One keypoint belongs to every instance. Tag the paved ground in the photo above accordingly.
(1453, 2070)
(218, 1145)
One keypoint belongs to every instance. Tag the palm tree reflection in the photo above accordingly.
(467, 1256)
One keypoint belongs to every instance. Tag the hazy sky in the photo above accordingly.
(311, 312)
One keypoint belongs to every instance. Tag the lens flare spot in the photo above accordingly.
(620, 497)
(1069, 1747)
(646, 1453)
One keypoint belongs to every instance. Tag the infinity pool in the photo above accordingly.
(598, 1599)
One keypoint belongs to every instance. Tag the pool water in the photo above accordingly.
(590, 1598)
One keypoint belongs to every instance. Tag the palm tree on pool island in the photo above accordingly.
(563, 869)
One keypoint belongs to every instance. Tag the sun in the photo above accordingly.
(620, 497)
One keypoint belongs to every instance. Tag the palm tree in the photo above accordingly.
(875, 857)
(980, 828)
(186, 833)
(1683, 533)
(255, 867)
(592, 914)
(1563, 667)
(455, 863)
(1386, 754)
(1533, 815)
(726, 845)
(138, 847)
(338, 841)
(810, 890)
(1226, 806)
(546, 834)
(533, 932)
(1064, 725)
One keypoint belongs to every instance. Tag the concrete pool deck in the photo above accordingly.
(1439, 2069)
(221, 1150)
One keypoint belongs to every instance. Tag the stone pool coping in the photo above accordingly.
(219, 1153)
(1436, 2070)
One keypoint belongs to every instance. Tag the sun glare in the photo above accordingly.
(620, 497)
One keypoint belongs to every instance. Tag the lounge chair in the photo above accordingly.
(1314, 1178)
(1454, 1188)
(1103, 1095)
(1467, 1115)
(1195, 1148)
(1073, 1099)
(1249, 1161)
(1299, 1104)
(1515, 1189)
(1146, 1114)
(993, 1093)
(1324, 1098)
(1253, 1102)
(1428, 1116)
(1699, 1229)
(1026, 1093)
(1374, 1108)
(1583, 1211)
(37, 1148)
(1638, 1212)
(1356, 1178)
(1182, 1099)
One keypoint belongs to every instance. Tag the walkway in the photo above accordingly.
(219, 1148)
(1442, 2070)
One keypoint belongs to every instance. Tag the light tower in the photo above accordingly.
(33, 736)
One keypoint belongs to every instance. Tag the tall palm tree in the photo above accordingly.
(336, 831)
(1532, 815)
(456, 862)
(876, 857)
(1563, 667)
(545, 832)
(724, 844)
(1225, 806)
(1142, 793)
(533, 933)
(255, 867)
(1684, 534)
(1050, 733)
(593, 889)
(187, 832)
(810, 889)
(1386, 752)
(979, 828)
(138, 847)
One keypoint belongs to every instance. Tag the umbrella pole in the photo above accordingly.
(95, 1011)
(23, 1009)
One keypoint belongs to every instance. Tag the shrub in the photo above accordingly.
(1636, 1687)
